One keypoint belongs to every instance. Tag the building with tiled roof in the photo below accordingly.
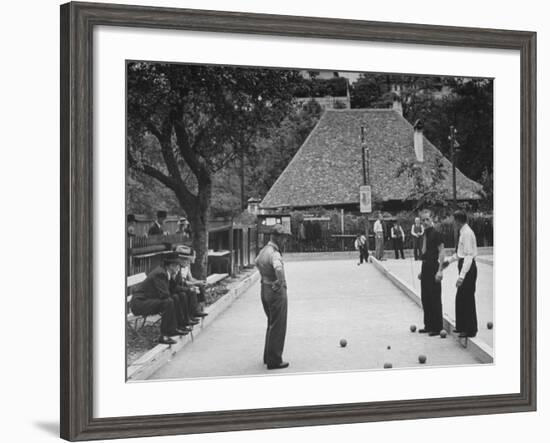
(327, 169)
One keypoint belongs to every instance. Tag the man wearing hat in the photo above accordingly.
(183, 228)
(153, 297)
(157, 228)
(131, 225)
(186, 288)
(274, 298)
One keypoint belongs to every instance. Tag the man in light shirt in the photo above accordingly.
(466, 252)
(417, 232)
(379, 237)
(274, 299)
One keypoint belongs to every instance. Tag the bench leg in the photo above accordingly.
(144, 318)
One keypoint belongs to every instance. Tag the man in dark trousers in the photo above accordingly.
(361, 246)
(417, 232)
(466, 252)
(430, 275)
(188, 289)
(153, 296)
(398, 239)
(274, 298)
(157, 228)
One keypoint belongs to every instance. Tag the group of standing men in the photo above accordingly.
(428, 247)
(158, 227)
(431, 274)
(397, 235)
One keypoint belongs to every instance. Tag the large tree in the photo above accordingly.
(187, 122)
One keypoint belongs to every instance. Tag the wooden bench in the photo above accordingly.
(131, 282)
(215, 278)
(134, 280)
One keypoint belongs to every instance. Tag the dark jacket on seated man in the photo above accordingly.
(153, 296)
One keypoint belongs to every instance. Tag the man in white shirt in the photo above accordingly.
(466, 252)
(417, 232)
(379, 237)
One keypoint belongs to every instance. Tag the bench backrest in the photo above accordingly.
(136, 279)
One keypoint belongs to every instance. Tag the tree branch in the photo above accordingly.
(185, 149)
(153, 130)
(151, 171)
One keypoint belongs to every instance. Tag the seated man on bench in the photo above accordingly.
(153, 297)
(191, 291)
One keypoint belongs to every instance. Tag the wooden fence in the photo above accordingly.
(232, 249)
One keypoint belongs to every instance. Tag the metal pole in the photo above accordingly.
(368, 167)
(453, 160)
(363, 154)
(342, 228)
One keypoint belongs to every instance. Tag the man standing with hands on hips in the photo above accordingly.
(466, 252)
(274, 299)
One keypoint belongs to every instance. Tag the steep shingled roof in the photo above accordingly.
(327, 168)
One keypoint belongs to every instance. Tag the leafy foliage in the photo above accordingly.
(187, 122)
(465, 103)
(428, 189)
(274, 151)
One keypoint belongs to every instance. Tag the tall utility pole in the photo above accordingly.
(243, 196)
(363, 154)
(454, 144)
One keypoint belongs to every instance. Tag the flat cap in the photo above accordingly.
(277, 229)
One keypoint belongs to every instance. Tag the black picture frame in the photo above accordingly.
(77, 23)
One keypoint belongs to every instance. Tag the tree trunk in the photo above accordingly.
(200, 245)
(197, 212)
(199, 226)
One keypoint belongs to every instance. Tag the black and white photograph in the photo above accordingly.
(286, 221)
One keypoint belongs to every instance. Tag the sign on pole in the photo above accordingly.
(365, 201)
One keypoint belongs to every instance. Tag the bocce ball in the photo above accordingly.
(388, 366)
(413, 328)
(422, 359)
(389, 347)
(343, 342)
(443, 333)
(490, 325)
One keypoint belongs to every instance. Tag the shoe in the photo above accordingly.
(423, 331)
(282, 365)
(433, 333)
(194, 321)
(200, 314)
(165, 340)
(185, 329)
(456, 331)
(465, 334)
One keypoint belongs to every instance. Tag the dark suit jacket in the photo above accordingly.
(155, 286)
(155, 230)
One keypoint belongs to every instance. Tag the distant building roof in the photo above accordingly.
(327, 168)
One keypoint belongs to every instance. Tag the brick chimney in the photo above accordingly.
(419, 140)
(396, 104)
